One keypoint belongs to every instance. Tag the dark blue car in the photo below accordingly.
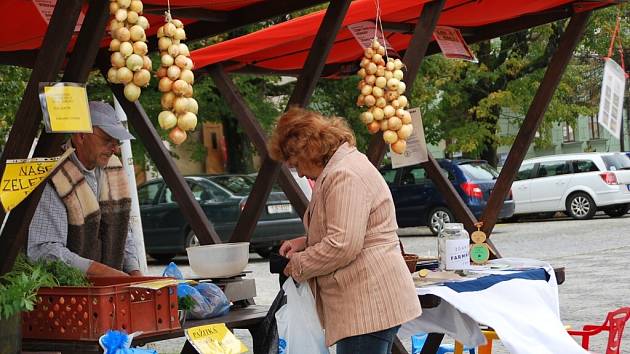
(419, 203)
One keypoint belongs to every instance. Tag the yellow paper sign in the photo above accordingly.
(21, 177)
(68, 109)
(214, 339)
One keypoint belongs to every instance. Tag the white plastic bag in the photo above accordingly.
(299, 329)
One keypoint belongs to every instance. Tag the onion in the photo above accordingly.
(362, 73)
(368, 52)
(398, 74)
(136, 5)
(113, 7)
(114, 45)
(122, 34)
(381, 50)
(137, 33)
(390, 137)
(398, 64)
(366, 90)
(111, 76)
(114, 26)
(177, 136)
(135, 62)
(378, 113)
(389, 111)
(403, 101)
(405, 131)
(160, 32)
(180, 61)
(173, 50)
(179, 87)
(188, 92)
(375, 44)
(360, 100)
(380, 82)
(391, 96)
(183, 49)
(167, 100)
(166, 59)
(388, 75)
(143, 22)
(161, 72)
(117, 60)
(124, 3)
(124, 75)
(165, 84)
(132, 17)
(126, 49)
(394, 123)
(193, 106)
(376, 58)
(164, 43)
(400, 113)
(167, 120)
(140, 48)
(399, 146)
(384, 125)
(380, 71)
(169, 29)
(370, 100)
(121, 15)
(394, 103)
(392, 83)
(367, 117)
(147, 64)
(180, 105)
(179, 34)
(173, 72)
(381, 102)
(401, 87)
(377, 92)
(370, 79)
(188, 76)
(371, 69)
(142, 78)
(364, 62)
(178, 23)
(187, 121)
(390, 66)
(132, 92)
(406, 119)
(374, 127)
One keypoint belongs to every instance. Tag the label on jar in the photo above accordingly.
(457, 254)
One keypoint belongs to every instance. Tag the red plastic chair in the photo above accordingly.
(614, 324)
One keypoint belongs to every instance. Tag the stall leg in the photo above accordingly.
(432, 343)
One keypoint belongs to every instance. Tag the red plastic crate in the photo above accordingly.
(86, 313)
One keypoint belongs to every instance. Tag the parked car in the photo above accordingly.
(222, 197)
(578, 184)
(419, 203)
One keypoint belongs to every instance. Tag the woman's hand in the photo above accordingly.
(289, 247)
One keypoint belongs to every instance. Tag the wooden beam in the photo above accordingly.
(191, 210)
(196, 13)
(53, 52)
(398, 27)
(269, 171)
(553, 75)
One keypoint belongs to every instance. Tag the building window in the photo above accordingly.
(567, 133)
(593, 127)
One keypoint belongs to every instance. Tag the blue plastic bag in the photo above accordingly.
(172, 271)
(218, 303)
(119, 342)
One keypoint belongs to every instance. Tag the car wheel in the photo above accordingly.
(617, 211)
(192, 240)
(581, 206)
(437, 218)
(162, 258)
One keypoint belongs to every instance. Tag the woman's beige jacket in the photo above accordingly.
(353, 261)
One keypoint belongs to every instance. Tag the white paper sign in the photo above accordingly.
(364, 31)
(452, 44)
(611, 100)
(416, 145)
(457, 254)
(46, 8)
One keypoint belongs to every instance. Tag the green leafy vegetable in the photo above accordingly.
(186, 302)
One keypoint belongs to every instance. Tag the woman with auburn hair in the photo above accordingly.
(350, 256)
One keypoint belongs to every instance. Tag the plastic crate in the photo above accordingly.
(86, 313)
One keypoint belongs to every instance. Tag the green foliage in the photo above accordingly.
(13, 81)
(186, 302)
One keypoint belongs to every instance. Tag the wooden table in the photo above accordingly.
(249, 318)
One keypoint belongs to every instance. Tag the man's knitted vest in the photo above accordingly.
(97, 229)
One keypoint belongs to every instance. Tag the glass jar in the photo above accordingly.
(453, 247)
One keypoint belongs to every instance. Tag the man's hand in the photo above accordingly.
(289, 247)
(97, 269)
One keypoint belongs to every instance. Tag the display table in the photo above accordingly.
(518, 298)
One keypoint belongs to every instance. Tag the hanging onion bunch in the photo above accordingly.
(130, 64)
(176, 79)
(382, 92)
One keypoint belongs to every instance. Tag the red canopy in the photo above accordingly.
(25, 26)
(285, 46)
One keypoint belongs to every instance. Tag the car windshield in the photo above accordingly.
(238, 185)
(275, 188)
(479, 171)
(616, 162)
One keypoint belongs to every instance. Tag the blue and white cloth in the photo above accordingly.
(520, 304)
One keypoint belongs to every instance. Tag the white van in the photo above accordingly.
(578, 184)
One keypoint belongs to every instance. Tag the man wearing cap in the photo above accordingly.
(83, 215)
